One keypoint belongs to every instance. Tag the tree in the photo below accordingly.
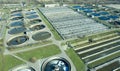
(90, 40)
(33, 59)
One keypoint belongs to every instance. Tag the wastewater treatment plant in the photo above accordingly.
(59, 35)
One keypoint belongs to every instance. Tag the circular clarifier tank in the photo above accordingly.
(37, 27)
(17, 40)
(41, 36)
(56, 64)
(35, 21)
(17, 30)
(16, 24)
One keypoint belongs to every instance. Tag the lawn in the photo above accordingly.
(40, 53)
(80, 66)
(56, 35)
(8, 62)
(1, 62)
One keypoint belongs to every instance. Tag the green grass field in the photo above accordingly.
(1, 62)
(8, 62)
(40, 53)
(80, 66)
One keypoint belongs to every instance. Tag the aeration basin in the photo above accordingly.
(17, 40)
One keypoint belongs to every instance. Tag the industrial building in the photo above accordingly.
(59, 35)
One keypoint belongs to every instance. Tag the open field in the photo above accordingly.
(6, 61)
(9, 62)
(40, 53)
(80, 66)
